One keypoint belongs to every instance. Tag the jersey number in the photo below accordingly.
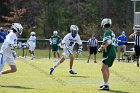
(71, 43)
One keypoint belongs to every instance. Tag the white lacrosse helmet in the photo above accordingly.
(74, 30)
(32, 34)
(106, 21)
(136, 28)
(18, 27)
(55, 32)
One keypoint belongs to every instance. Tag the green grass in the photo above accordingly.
(33, 77)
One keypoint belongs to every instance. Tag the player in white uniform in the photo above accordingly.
(32, 44)
(7, 53)
(68, 43)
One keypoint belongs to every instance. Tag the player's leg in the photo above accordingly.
(2, 63)
(12, 69)
(88, 58)
(108, 62)
(65, 54)
(71, 60)
(137, 52)
(138, 62)
(71, 64)
(11, 62)
(95, 58)
(105, 73)
(95, 52)
(54, 54)
(90, 53)
(57, 51)
(32, 52)
(138, 56)
(58, 54)
(57, 64)
(119, 50)
(54, 50)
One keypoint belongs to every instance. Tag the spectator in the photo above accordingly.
(136, 35)
(122, 39)
(2, 36)
(92, 47)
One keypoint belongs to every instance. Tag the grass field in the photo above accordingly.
(33, 77)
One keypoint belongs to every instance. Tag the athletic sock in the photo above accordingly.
(58, 63)
(105, 83)
(0, 73)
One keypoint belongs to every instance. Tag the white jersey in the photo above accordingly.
(69, 41)
(10, 43)
(32, 41)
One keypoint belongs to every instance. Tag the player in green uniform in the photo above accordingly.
(109, 51)
(54, 42)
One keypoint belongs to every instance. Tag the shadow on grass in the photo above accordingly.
(117, 91)
(79, 76)
(15, 86)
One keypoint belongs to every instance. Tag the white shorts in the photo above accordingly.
(31, 48)
(67, 52)
(7, 58)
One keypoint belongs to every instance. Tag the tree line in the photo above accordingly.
(45, 16)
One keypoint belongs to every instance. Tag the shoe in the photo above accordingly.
(104, 87)
(51, 70)
(72, 72)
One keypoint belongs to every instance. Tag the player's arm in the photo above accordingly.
(88, 44)
(8, 43)
(105, 45)
(133, 34)
(80, 46)
(50, 41)
(4, 46)
(64, 41)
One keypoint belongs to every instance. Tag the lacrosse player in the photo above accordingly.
(54, 42)
(109, 52)
(7, 53)
(32, 44)
(68, 43)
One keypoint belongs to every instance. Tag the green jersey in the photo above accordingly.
(110, 51)
(55, 40)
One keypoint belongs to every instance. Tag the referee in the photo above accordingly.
(92, 48)
(136, 35)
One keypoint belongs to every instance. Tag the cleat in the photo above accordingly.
(72, 72)
(51, 70)
(104, 87)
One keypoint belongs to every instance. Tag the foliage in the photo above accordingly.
(44, 16)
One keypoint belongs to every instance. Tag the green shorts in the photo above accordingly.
(55, 48)
(108, 61)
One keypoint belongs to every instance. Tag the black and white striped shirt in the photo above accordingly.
(137, 40)
(92, 42)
